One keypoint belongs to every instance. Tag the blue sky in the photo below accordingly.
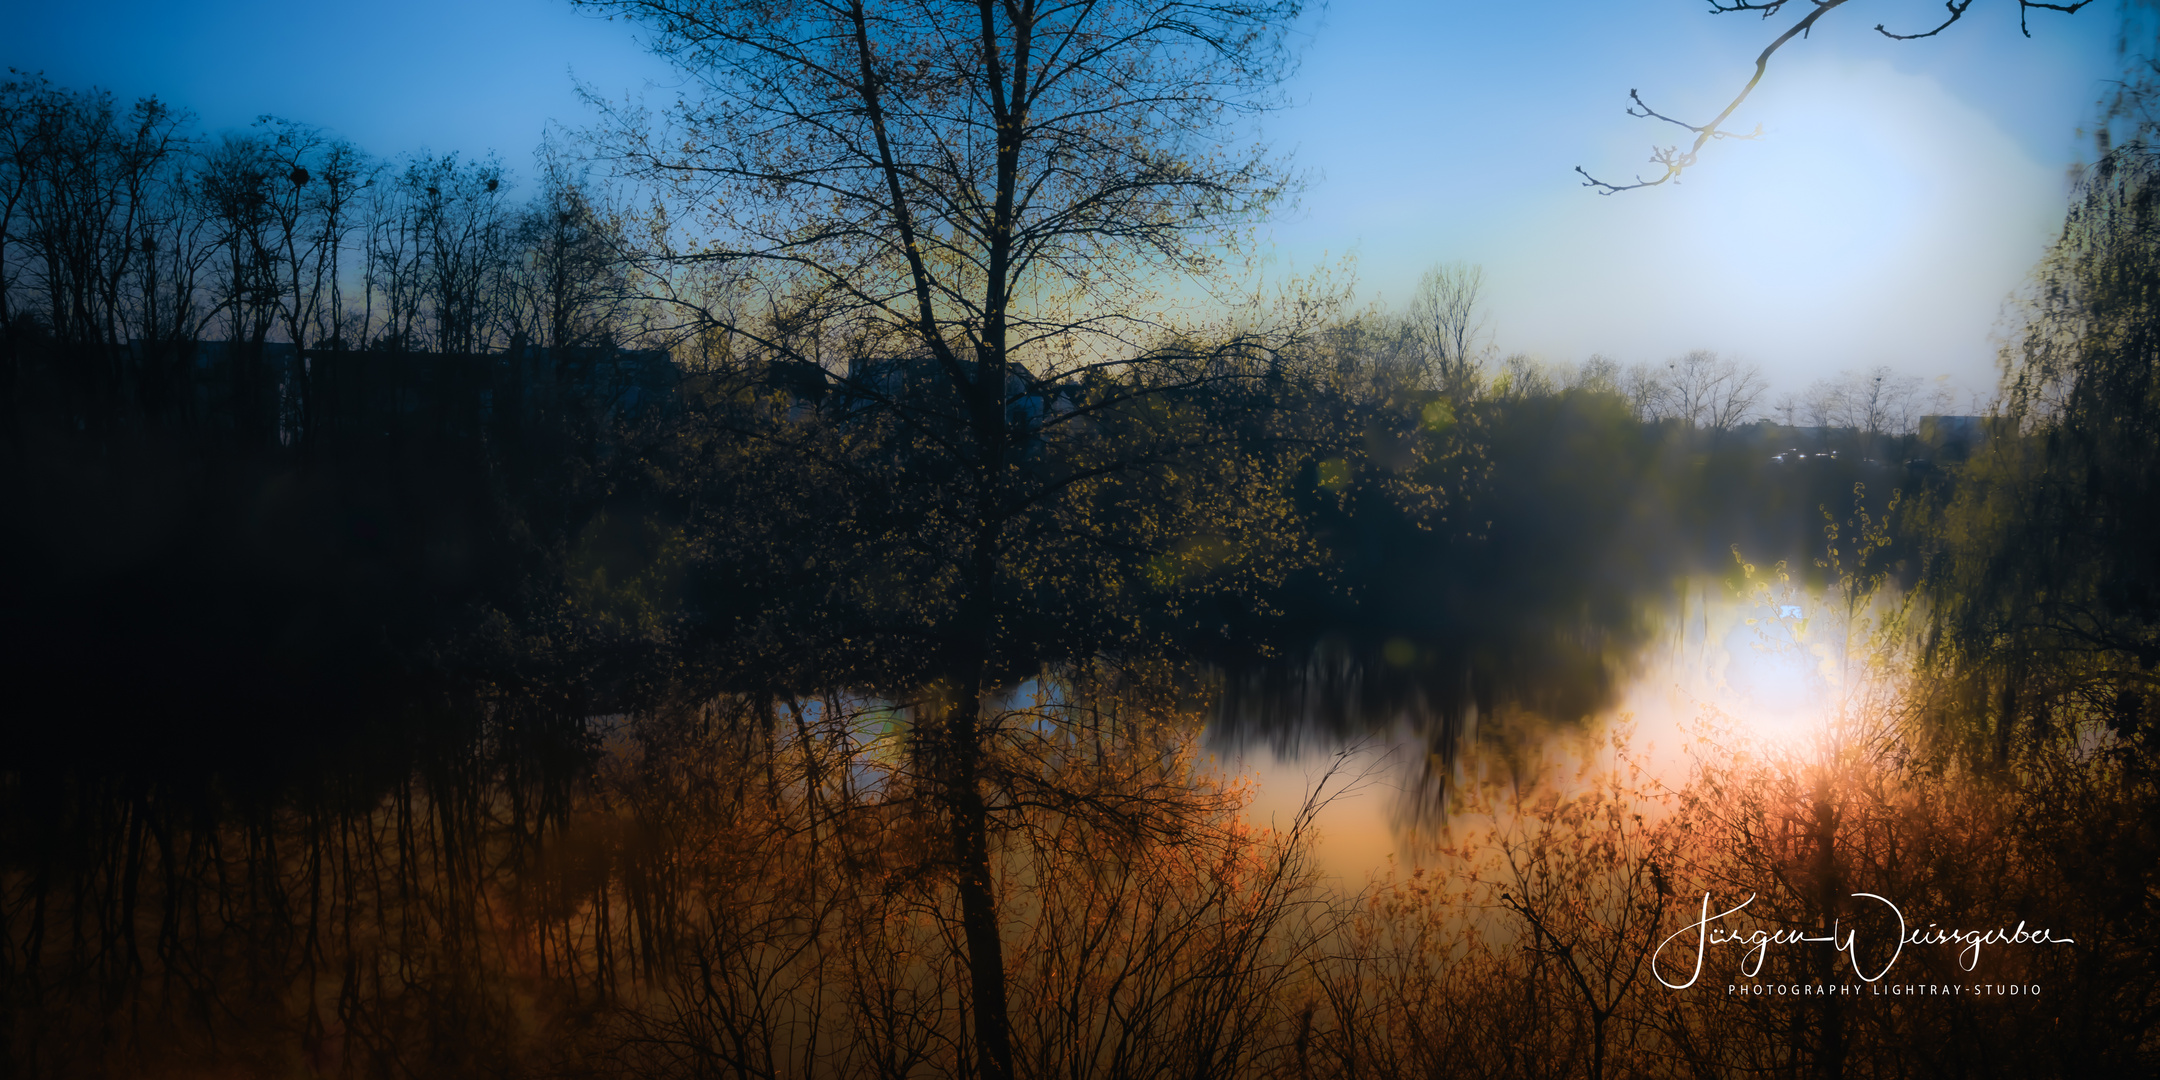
(1900, 194)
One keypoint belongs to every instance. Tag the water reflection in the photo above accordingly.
(1395, 741)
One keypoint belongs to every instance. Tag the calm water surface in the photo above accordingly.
(1393, 737)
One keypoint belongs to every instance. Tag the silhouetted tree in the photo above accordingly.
(980, 207)
(569, 283)
(311, 188)
(81, 185)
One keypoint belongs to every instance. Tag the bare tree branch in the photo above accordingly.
(1673, 161)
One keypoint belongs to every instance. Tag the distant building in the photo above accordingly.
(1953, 437)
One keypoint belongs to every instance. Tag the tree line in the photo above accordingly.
(1443, 331)
(127, 236)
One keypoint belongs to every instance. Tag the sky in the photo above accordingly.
(1900, 194)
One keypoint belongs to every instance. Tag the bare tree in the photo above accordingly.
(1874, 403)
(1446, 323)
(234, 186)
(172, 277)
(391, 269)
(311, 188)
(439, 246)
(569, 283)
(464, 223)
(981, 199)
(17, 132)
(1701, 390)
(1711, 392)
(1647, 392)
(1597, 375)
(80, 177)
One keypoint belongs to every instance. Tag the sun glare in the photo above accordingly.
(1868, 224)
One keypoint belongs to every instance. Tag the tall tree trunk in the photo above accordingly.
(978, 901)
(971, 822)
